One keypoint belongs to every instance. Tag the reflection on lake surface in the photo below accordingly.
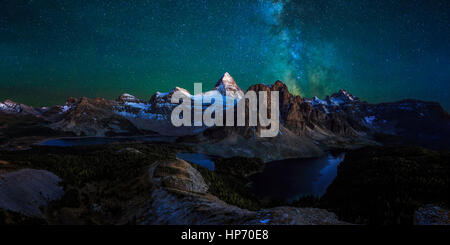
(197, 158)
(291, 179)
(64, 142)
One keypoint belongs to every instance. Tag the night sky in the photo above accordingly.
(378, 50)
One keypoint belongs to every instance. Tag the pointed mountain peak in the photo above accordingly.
(226, 80)
(228, 77)
(227, 84)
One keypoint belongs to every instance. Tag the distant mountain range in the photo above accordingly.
(309, 126)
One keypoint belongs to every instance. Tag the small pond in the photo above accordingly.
(197, 158)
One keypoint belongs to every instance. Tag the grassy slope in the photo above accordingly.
(230, 183)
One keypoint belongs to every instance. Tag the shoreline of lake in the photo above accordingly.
(104, 140)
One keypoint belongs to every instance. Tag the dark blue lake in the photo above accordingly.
(288, 179)
(291, 179)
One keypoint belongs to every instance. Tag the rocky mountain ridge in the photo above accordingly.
(308, 126)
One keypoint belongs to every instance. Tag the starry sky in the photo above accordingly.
(378, 50)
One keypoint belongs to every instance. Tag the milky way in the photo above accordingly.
(378, 50)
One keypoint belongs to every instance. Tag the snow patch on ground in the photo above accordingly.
(65, 108)
(336, 101)
(9, 107)
(369, 120)
(141, 114)
(141, 106)
(144, 111)
(159, 94)
(317, 101)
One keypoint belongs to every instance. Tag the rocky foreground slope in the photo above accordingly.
(179, 196)
(144, 183)
(309, 126)
(25, 190)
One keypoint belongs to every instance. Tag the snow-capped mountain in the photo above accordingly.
(128, 98)
(12, 107)
(308, 125)
(227, 85)
(9, 106)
